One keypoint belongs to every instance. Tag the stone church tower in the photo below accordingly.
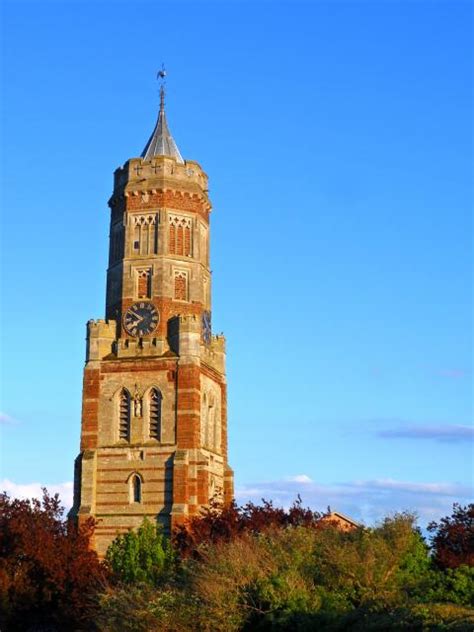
(154, 413)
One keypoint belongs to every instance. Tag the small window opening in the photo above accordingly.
(137, 489)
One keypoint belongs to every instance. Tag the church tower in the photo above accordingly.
(154, 409)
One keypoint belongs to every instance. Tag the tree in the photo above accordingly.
(224, 523)
(453, 538)
(142, 556)
(48, 573)
(380, 565)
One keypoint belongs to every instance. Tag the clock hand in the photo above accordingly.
(139, 318)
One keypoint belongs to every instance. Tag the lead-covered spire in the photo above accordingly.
(161, 142)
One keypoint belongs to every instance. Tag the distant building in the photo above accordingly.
(154, 411)
(341, 521)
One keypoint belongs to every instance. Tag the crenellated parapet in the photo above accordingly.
(101, 335)
(214, 354)
(133, 347)
(148, 180)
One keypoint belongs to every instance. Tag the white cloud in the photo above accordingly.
(365, 501)
(299, 478)
(34, 490)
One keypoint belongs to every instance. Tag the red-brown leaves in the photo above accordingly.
(48, 573)
(224, 523)
(453, 539)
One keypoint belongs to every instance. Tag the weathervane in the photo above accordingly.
(161, 76)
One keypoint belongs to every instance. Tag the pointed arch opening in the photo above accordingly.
(154, 406)
(124, 414)
(135, 488)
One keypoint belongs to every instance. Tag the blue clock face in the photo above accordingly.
(206, 327)
(141, 319)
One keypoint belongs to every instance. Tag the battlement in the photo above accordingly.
(101, 326)
(214, 353)
(189, 323)
(158, 169)
(218, 342)
(133, 347)
(100, 336)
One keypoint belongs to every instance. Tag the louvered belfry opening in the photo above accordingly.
(124, 415)
(155, 414)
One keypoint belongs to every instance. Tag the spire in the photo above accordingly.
(161, 142)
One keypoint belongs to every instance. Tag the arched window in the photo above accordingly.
(155, 398)
(136, 489)
(124, 415)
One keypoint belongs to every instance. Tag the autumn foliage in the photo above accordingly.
(453, 538)
(223, 524)
(48, 573)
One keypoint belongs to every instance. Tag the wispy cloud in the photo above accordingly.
(7, 419)
(363, 500)
(34, 490)
(445, 432)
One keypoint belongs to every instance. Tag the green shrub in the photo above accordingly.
(141, 556)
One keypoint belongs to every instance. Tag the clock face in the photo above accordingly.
(141, 319)
(206, 327)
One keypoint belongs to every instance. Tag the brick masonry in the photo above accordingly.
(187, 465)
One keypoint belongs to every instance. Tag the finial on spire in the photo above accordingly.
(161, 76)
(161, 142)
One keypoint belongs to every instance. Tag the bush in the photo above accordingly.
(240, 582)
(365, 566)
(141, 556)
(142, 608)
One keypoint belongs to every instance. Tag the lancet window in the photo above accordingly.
(124, 415)
(180, 236)
(136, 489)
(145, 234)
(155, 398)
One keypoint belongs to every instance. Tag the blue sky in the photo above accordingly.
(338, 141)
